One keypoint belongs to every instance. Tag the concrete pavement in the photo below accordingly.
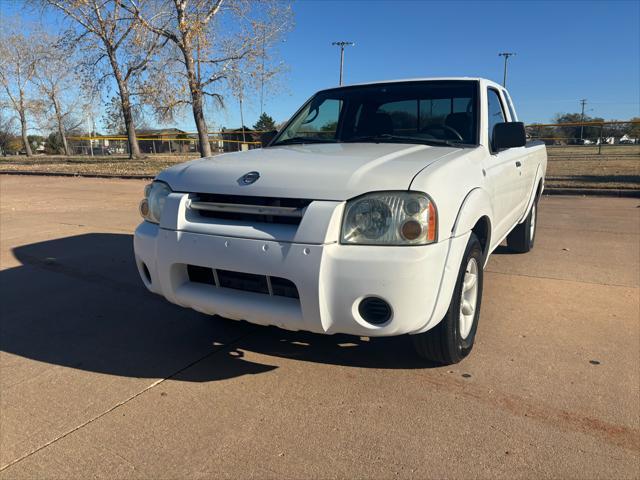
(99, 378)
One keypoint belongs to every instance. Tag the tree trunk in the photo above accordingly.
(201, 125)
(61, 131)
(134, 148)
(25, 140)
(197, 100)
(23, 125)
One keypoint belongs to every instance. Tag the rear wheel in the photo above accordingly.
(523, 235)
(452, 339)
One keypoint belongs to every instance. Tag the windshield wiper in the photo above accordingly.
(303, 140)
(400, 138)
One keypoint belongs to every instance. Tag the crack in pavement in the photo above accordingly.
(127, 400)
(542, 277)
(121, 287)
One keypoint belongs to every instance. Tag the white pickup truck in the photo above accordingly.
(373, 212)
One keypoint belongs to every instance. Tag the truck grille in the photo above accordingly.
(248, 282)
(247, 209)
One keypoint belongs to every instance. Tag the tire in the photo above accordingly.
(522, 237)
(452, 339)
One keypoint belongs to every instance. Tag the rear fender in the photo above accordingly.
(534, 192)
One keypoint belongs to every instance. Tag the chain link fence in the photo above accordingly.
(588, 138)
(183, 144)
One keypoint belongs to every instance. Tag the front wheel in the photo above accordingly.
(452, 339)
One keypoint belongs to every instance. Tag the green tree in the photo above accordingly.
(54, 144)
(7, 133)
(633, 129)
(329, 127)
(35, 141)
(265, 123)
(546, 134)
(573, 132)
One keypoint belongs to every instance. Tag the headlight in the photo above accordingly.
(389, 218)
(155, 195)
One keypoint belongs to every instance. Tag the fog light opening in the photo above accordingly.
(144, 208)
(374, 310)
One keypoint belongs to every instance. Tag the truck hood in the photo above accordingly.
(334, 171)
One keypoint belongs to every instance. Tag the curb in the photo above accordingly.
(85, 175)
(600, 192)
(595, 192)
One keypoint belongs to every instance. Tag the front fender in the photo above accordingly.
(476, 204)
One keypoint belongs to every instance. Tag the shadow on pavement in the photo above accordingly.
(78, 302)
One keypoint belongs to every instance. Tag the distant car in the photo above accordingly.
(373, 213)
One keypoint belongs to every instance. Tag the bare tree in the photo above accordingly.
(112, 117)
(57, 80)
(109, 34)
(208, 54)
(17, 68)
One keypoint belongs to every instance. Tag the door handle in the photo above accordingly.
(518, 164)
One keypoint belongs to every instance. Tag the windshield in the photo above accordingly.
(429, 112)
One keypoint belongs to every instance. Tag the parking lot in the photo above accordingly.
(99, 378)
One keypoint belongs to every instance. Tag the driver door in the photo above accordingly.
(502, 172)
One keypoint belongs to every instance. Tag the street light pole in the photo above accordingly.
(506, 56)
(342, 44)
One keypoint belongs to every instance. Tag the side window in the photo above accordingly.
(495, 111)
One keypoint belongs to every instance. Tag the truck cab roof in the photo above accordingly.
(483, 81)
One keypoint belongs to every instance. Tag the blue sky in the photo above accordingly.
(566, 50)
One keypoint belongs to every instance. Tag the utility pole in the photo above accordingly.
(262, 77)
(506, 56)
(342, 44)
(583, 103)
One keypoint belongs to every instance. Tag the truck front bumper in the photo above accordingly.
(332, 279)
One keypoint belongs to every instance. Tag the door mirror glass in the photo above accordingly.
(508, 135)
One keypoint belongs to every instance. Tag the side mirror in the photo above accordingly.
(266, 137)
(509, 135)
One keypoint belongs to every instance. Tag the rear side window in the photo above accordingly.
(495, 111)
